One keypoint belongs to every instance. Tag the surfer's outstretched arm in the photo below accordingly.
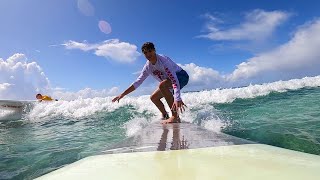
(127, 91)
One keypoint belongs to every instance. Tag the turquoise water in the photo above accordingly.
(29, 149)
(52, 135)
(290, 119)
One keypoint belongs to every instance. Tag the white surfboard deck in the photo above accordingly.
(14, 104)
(186, 151)
(13, 109)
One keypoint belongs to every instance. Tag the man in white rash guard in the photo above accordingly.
(169, 74)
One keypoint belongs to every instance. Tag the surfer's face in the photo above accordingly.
(39, 96)
(150, 54)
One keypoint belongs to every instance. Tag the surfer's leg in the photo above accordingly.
(164, 87)
(155, 98)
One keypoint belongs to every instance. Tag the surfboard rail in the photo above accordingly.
(13, 109)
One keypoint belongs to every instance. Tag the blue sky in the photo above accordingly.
(221, 43)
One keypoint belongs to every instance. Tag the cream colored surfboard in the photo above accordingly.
(186, 151)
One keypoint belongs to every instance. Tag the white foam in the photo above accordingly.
(200, 108)
(10, 114)
(251, 91)
(135, 125)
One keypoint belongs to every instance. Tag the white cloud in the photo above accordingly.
(298, 57)
(84, 46)
(20, 79)
(111, 49)
(258, 25)
(212, 19)
(202, 77)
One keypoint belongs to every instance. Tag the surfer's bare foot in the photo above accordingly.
(172, 119)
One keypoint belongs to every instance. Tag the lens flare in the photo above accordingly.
(104, 27)
(85, 7)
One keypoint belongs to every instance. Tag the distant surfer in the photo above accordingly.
(41, 97)
(172, 78)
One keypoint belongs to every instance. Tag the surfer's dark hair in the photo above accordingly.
(39, 95)
(147, 46)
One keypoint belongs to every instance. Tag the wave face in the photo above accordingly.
(49, 135)
(289, 119)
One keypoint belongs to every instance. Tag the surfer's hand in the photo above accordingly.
(117, 98)
(178, 106)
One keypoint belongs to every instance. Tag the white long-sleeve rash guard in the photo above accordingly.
(164, 68)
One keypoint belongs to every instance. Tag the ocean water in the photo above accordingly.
(50, 135)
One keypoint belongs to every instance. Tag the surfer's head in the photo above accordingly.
(147, 46)
(39, 96)
(149, 51)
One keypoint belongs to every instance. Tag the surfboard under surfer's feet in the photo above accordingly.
(172, 119)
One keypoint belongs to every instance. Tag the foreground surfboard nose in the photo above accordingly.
(186, 151)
